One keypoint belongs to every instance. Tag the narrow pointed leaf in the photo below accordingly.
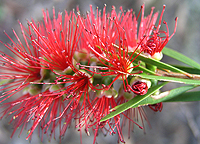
(172, 95)
(170, 79)
(159, 64)
(186, 97)
(180, 57)
(190, 70)
(133, 102)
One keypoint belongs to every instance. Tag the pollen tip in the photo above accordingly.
(164, 6)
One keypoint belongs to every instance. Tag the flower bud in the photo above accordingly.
(54, 88)
(81, 55)
(106, 80)
(45, 74)
(107, 93)
(140, 86)
(127, 95)
(35, 89)
(157, 56)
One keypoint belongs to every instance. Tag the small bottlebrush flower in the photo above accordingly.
(41, 109)
(150, 38)
(76, 93)
(20, 70)
(99, 29)
(134, 31)
(156, 40)
(37, 71)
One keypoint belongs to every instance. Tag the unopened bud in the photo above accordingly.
(45, 74)
(134, 79)
(106, 80)
(54, 88)
(140, 86)
(158, 56)
(35, 89)
(128, 95)
(107, 93)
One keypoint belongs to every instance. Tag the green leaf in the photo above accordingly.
(190, 70)
(159, 64)
(186, 97)
(169, 95)
(143, 69)
(170, 79)
(180, 57)
(133, 102)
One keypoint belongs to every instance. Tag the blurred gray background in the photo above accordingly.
(178, 123)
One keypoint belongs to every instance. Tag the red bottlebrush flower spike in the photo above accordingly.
(130, 25)
(68, 68)
(20, 70)
(46, 99)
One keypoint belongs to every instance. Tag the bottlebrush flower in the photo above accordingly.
(69, 65)
(37, 71)
(100, 107)
(151, 39)
(76, 95)
(41, 109)
(20, 71)
(23, 69)
(156, 39)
